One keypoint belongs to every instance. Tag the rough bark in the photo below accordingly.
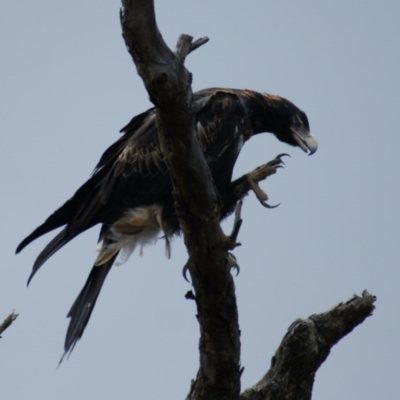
(196, 200)
(308, 342)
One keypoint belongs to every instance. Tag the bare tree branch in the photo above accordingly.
(186, 45)
(196, 200)
(305, 347)
(8, 321)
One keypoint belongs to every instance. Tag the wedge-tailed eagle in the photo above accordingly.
(130, 190)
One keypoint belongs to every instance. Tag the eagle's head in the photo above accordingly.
(291, 126)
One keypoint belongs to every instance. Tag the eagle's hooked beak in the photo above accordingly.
(304, 139)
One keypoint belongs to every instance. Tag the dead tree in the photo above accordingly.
(308, 342)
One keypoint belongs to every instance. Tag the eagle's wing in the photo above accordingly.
(131, 172)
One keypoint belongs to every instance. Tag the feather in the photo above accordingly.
(83, 306)
(137, 227)
(54, 245)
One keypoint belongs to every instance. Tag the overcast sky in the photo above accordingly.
(68, 85)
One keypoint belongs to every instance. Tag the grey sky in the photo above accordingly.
(68, 85)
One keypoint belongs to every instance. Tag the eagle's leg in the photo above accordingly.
(261, 173)
(241, 186)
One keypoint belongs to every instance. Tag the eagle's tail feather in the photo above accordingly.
(54, 221)
(53, 246)
(83, 306)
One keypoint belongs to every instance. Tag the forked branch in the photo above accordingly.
(305, 347)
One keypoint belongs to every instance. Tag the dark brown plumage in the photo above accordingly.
(129, 192)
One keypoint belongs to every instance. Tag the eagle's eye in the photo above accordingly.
(296, 120)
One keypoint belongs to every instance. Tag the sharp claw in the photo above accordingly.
(266, 205)
(275, 162)
(233, 263)
(236, 268)
(185, 271)
(278, 160)
(282, 155)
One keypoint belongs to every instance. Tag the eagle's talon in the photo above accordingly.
(232, 263)
(236, 268)
(261, 173)
(277, 161)
(266, 205)
(185, 271)
(282, 155)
